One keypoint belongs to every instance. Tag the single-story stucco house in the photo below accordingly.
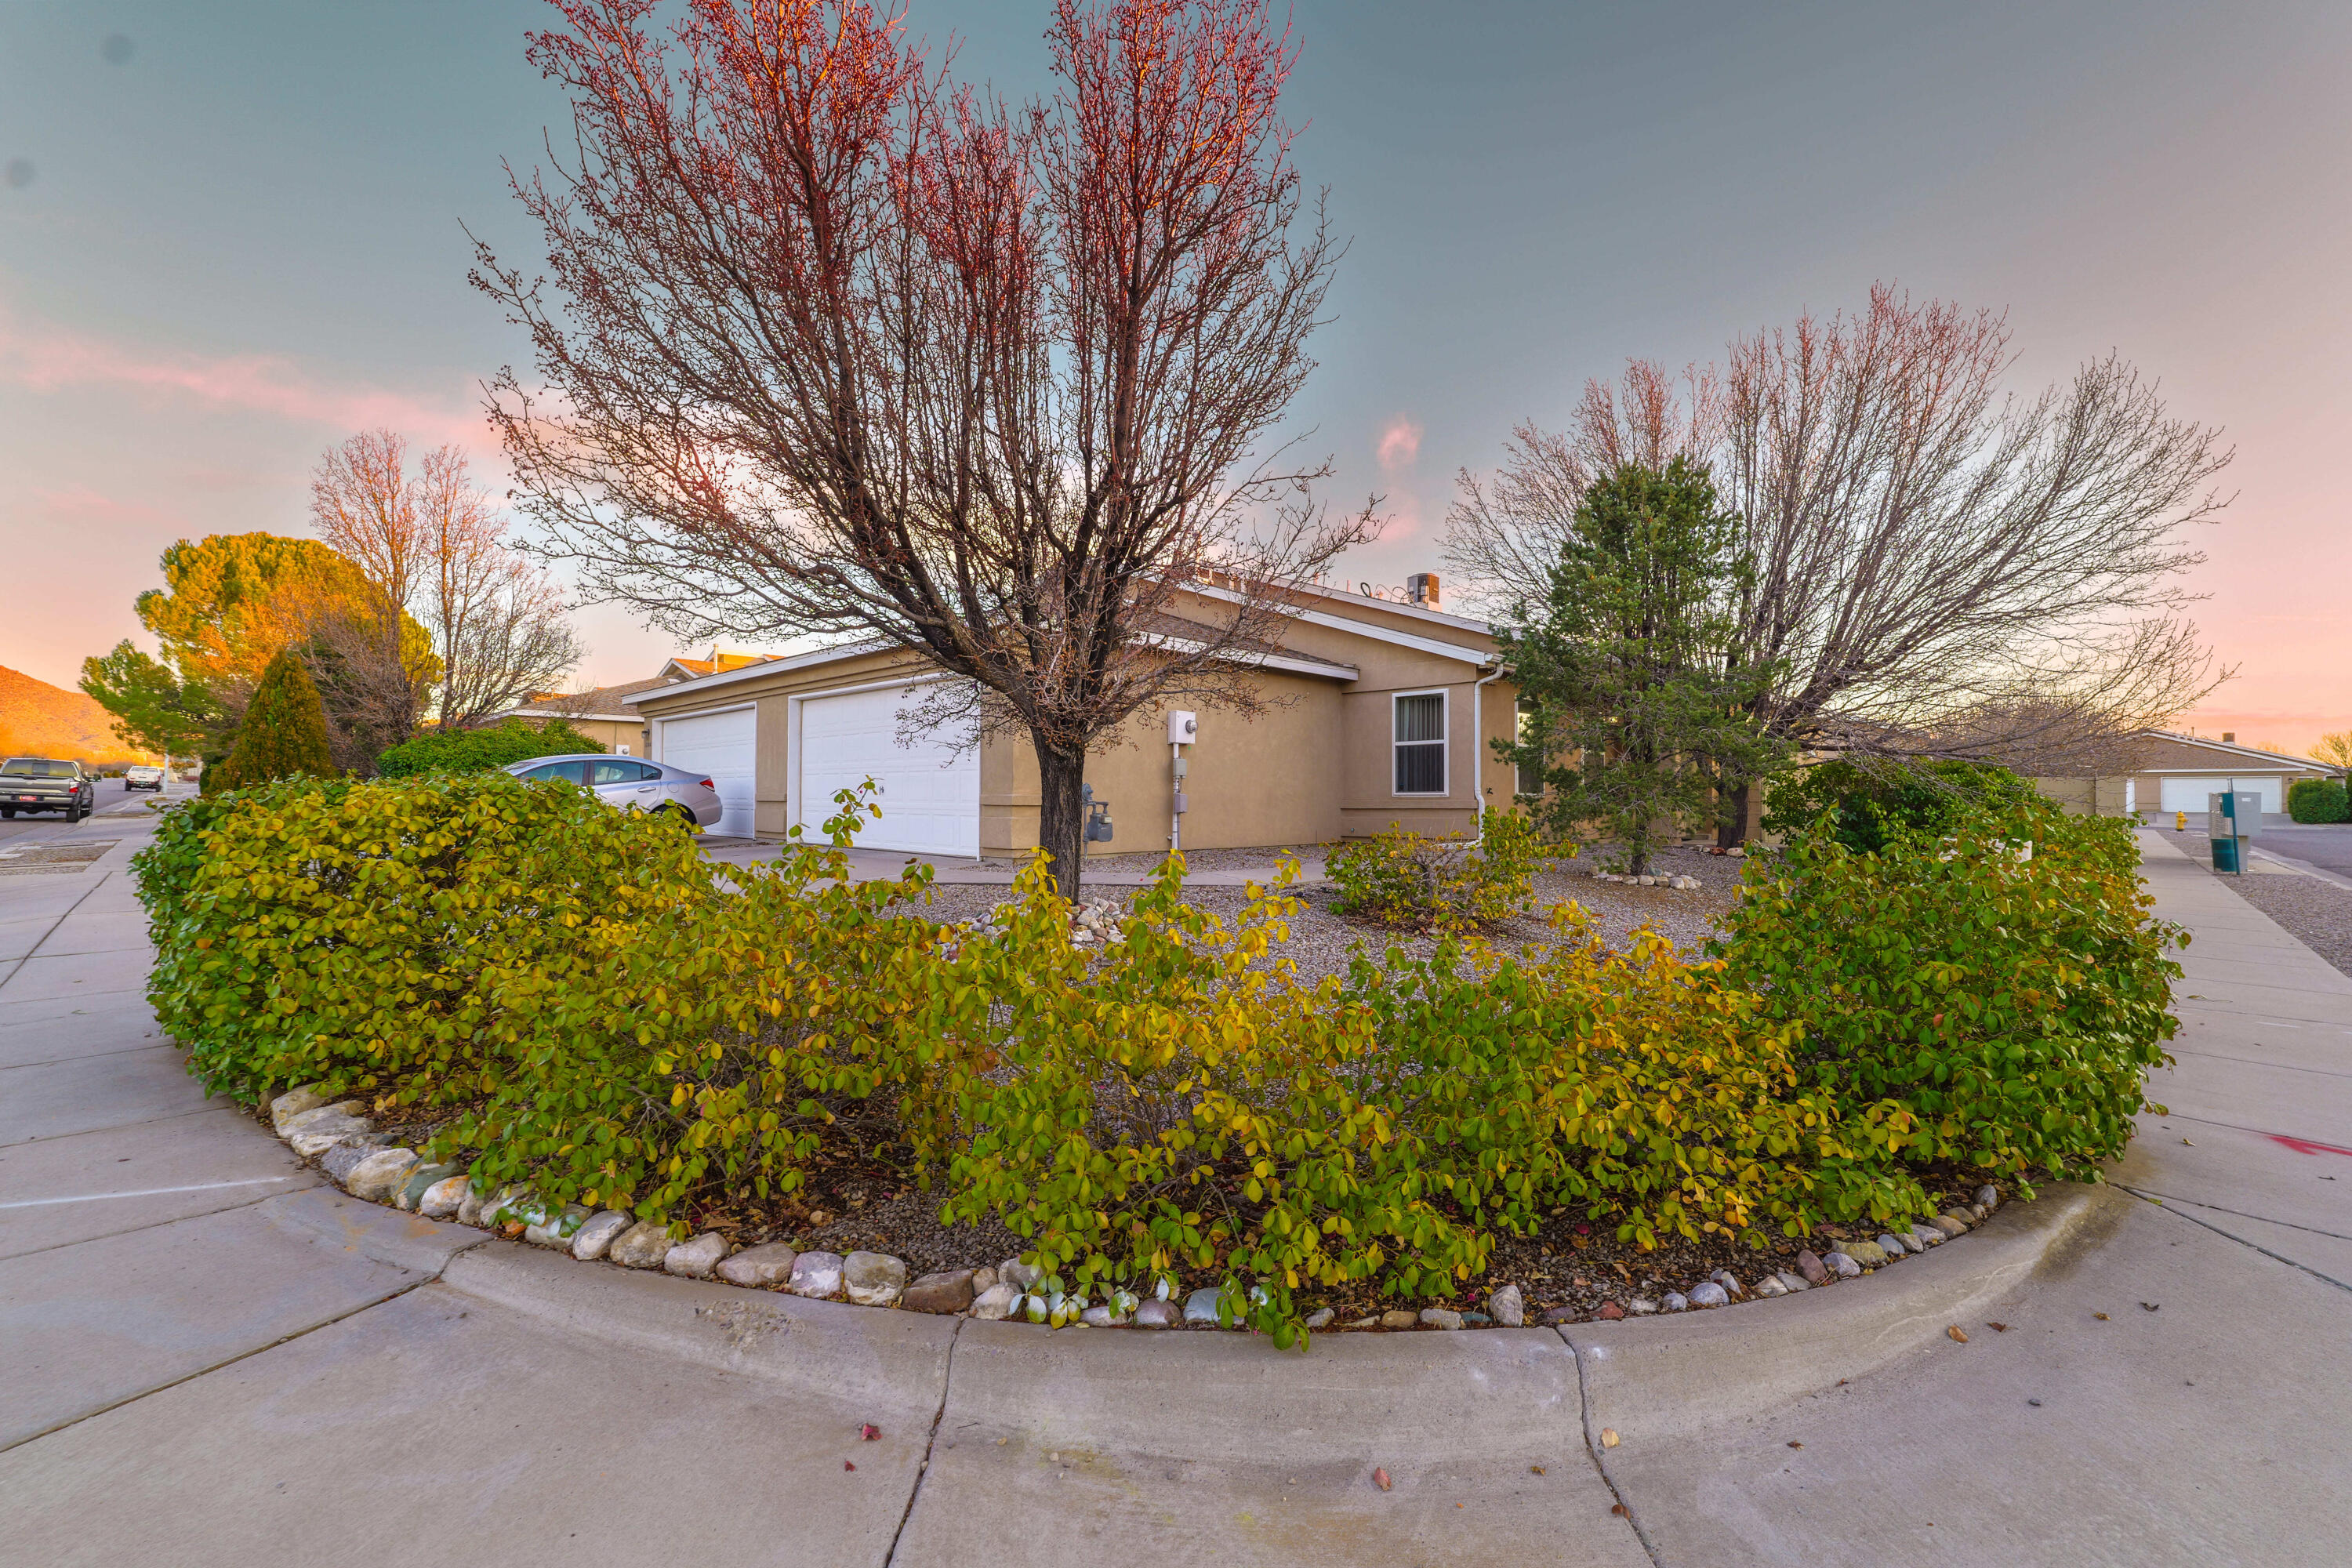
(1374, 710)
(2176, 773)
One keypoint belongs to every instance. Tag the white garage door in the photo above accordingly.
(929, 790)
(2188, 794)
(724, 747)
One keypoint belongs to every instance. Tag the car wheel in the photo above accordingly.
(8, 813)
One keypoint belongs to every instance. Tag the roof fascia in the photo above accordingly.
(1360, 628)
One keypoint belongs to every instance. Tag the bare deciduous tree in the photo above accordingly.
(844, 350)
(429, 541)
(1941, 568)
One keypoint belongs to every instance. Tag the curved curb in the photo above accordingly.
(1665, 1376)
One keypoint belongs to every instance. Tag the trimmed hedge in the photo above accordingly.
(621, 1029)
(482, 750)
(2318, 800)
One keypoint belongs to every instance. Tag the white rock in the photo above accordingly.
(874, 1278)
(596, 1236)
(1770, 1287)
(983, 1279)
(1509, 1307)
(293, 1103)
(443, 1198)
(1790, 1279)
(995, 1302)
(1019, 1275)
(1844, 1267)
(334, 1127)
(1675, 1301)
(757, 1267)
(1097, 1318)
(1987, 1198)
(1160, 1315)
(374, 1177)
(696, 1260)
(557, 1228)
(644, 1244)
(816, 1275)
(1708, 1294)
(1641, 1306)
(1320, 1318)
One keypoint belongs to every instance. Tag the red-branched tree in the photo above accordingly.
(833, 346)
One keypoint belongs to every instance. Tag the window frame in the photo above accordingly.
(1444, 743)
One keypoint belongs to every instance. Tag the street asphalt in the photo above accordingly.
(214, 1358)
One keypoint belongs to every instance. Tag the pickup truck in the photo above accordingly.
(45, 783)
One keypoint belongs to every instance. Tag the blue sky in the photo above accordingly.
(238, 234)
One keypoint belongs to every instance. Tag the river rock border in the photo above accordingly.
(367, 1164)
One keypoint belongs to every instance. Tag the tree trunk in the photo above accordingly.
(1061, 812)
(1731, 820)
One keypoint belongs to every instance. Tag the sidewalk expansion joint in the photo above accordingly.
(151, 1224)
(220, 1365)
(93, 1056)
(2241, 1241)
(2240, 1214)
(224, 1105)
(2258, 1062)
(930, 1440)
(1592, 1448)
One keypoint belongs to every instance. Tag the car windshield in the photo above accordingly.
(34, 768)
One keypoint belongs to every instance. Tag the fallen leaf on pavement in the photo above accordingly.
(2101, 1316)
(1957, 1337)
(1794, 1443)
(870, 1432)
(1619, 1509)
(1535, 1469)
(1381, 1479)
(1609, 1436)
(2148, 1306)
(1998, 1327)
(848, 1466)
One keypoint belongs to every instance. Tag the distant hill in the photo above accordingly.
(41, 719)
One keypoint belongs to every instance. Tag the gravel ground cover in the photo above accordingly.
(2315, 913)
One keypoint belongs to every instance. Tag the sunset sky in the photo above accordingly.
(233, 234)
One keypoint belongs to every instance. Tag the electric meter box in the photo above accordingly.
(1181, 728)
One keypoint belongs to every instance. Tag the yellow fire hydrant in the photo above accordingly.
(2180, 821)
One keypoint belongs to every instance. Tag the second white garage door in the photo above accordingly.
(2188, 794)
(931, 792)
(723, 746)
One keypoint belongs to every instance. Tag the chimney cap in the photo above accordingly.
(2229, 737)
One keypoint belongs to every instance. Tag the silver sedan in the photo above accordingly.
(632, 783)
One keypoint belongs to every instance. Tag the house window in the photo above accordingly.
(1420, 743)
(1530, 774)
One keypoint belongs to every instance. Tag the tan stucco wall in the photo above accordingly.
(611, 734)
(2085, 797)
(1315, 763)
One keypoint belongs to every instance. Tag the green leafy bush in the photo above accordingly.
(2318, 800)
(617, 1027)
(481, 751)
(1870, 801)
(364, 935)
(1450, 884)
(2004, 983)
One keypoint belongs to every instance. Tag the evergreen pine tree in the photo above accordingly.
(1632, 708)
(284, 731)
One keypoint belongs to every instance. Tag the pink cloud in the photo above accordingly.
(1399, 444)
(47, 360)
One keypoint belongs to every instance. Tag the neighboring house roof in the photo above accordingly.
(683, 669)
(2249, 758)
(603, 702)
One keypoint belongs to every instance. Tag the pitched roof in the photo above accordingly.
(2253, 753)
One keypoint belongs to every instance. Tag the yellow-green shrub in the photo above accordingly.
(1450, 884)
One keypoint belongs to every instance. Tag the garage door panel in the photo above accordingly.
(724, 746)
(2189, 793)
(928, 791)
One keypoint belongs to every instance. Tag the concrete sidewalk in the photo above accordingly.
(212, 1360)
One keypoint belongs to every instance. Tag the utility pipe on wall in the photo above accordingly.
(1478, 756)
